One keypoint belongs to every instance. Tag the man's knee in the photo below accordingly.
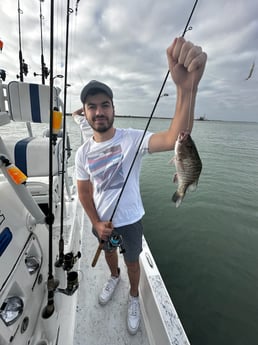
(133, 266)
(110, 254)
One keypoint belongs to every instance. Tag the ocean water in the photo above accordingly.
(207, 249)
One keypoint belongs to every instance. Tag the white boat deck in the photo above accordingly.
(96, 324)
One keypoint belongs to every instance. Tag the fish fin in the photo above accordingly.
(192, 186)
(177, 198)
(175, 178)
(172, 160)
(178, 203)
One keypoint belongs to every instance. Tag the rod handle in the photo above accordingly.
(100, 247)
(97, 254)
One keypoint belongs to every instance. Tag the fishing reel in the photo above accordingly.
(115, 240)
(69, 260)
(72, 282)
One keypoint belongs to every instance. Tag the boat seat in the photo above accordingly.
(30, 102)
(31, 155)
(4, 118)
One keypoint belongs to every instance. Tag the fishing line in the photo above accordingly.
(60, 24)
(150, 118)
(74, 41)
(72, 50)
(190, 106)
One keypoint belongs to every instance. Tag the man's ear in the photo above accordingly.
(84, 110)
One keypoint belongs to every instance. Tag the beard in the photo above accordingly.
(101, 123)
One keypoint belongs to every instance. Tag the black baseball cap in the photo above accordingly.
(95, 85)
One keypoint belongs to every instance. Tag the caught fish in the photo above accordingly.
(188, 166)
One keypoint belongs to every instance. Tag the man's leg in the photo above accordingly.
(110, 286)
(133, 314)
(112, 261)
(134, 277)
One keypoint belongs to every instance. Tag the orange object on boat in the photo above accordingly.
(16, 174)
(57, 121)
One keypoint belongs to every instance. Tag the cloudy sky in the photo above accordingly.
(123, 43)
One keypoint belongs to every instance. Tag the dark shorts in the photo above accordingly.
(131, 240)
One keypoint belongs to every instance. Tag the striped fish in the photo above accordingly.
(188, 166)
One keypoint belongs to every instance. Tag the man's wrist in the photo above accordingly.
(185, 91)
(95, 223)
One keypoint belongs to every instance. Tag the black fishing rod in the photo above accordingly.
(20, 48)
(101, 245)
(66, 260)
(41, 43)
(76, 7)
(150, 118)
(51, 283)
(44, 70)
(23, 66)
(61, 240)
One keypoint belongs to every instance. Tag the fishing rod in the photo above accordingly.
(44, 70)
(150, 118)
(101, 244)
(22, 64)
(66, 261)
(20, 49)
(76, 7)
(51, 283)
(61, 240)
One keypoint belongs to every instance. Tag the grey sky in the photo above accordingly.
(123, 43)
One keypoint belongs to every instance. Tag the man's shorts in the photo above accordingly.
(131, 240)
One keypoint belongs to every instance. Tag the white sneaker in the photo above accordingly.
(134, 315)
(108, 289)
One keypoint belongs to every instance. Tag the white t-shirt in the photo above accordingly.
(106, 164)
(86, 129)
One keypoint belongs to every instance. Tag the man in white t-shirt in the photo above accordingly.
(103, 167)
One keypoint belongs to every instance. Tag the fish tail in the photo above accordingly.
(177, 198)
